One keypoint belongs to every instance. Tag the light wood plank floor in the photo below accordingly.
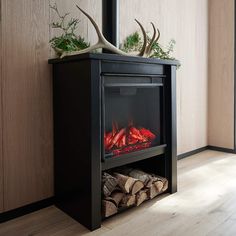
(204, 205)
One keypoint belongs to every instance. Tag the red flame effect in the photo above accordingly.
(120, 141)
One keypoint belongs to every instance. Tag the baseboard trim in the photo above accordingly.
(193, 152)
(9, 215)
(209, 147)
(220, 149)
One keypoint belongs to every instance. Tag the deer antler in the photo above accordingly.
(103, 43)
(142, 52)
(147, 49)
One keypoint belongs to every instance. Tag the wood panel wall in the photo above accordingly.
(221, 73)
(1, 150)
(186, 22)
(27, 103)
(1, 128)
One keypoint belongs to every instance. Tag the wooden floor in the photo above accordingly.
(204, 205)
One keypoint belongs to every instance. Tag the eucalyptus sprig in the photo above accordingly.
(68, 41)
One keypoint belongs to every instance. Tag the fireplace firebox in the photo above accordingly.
(110, 111)
(126, 101)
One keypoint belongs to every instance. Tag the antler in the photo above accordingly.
(103, 43)
(142, 52)
(147, 49)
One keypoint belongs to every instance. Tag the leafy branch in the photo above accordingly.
(68, 41)
(160, 52)
(132, 43)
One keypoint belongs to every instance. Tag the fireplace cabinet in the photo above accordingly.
(92, 93)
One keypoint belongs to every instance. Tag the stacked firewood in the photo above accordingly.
(128, 187)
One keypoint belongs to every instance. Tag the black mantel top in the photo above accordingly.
(113, 57)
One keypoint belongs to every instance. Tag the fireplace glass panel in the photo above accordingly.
(132, 114)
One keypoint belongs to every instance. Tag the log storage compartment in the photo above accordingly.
(114, 133)
(127, 187)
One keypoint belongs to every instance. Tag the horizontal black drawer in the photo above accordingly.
(131, 80)
(131, 68)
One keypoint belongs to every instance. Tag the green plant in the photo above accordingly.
(134, 43)
(68, 41)
(160, 52)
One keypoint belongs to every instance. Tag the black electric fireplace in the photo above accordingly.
(99, 96)
(127, 99)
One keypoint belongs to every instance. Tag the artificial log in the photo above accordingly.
(128, 200)
(124, 182)
(108, 208)
(109, 184)
(141, 197)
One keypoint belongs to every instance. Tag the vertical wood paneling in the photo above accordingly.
(27, 96)
(221, 73)
(27, 103)
(187, 22)
(1, 128)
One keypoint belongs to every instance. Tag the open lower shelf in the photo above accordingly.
(133, 157)
(159, 197)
